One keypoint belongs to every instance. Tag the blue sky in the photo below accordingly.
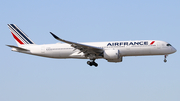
(31, 78)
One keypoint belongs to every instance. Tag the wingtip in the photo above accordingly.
(56, 37)
(8, 45)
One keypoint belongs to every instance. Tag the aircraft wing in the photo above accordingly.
(87, 49)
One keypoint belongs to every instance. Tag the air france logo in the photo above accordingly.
(129, 43)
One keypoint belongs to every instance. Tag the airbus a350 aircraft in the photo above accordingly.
(112, 51)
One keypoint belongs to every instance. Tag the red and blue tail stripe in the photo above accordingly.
(20, 37)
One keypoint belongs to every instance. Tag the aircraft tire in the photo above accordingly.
(95, 64)
(92, 63)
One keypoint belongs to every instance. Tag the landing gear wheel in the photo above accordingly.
(92, 63)
(95, 64)
(165, 58)
(89, 63)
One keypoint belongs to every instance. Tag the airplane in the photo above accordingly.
(112, 51)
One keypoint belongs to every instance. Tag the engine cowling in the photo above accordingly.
(112, 55)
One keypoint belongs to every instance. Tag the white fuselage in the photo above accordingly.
(126, 48)
(113, 51)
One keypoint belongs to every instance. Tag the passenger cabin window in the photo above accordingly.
(168, 44)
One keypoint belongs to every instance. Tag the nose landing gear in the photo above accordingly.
(92, 62)
(165, 58)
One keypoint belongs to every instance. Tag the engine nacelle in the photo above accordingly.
(112, 55)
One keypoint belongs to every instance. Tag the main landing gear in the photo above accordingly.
(165, 58)
(92, 62)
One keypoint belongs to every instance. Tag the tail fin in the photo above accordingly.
(20, 37)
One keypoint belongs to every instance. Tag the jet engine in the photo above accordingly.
(112, 55)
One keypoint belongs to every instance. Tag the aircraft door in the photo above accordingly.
(43, 49)
(159, 45)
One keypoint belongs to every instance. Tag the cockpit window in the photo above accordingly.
(168, 44)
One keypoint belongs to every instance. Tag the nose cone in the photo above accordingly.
(173, 50)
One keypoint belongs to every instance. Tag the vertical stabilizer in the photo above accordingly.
(20, 37)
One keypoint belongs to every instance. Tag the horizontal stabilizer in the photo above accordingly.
(17, 48)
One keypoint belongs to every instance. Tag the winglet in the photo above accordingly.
(56, 37)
